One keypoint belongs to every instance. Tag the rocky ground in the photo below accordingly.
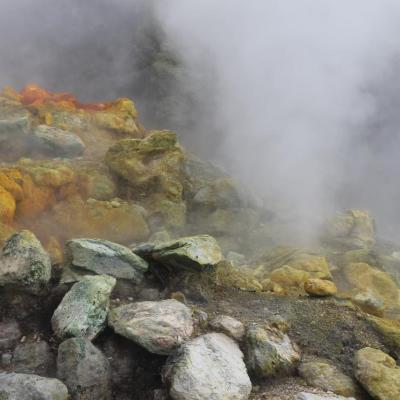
(130, 269)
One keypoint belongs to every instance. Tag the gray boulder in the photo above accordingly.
(95, 256)
(83, 310)
(24, 264)
(34, 358)
(158, 326)
(84, 369)
(209, 367)
(228, 325)
(31, 387)
(194, 253)
(56, 142)
(269, 352)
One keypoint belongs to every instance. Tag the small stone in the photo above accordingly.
(270, 352)
(34, 358)
(320, 287)
(84, 369)
(327, 377)
(83, 310)
(158, 326)
(9, 334)
(228, 325)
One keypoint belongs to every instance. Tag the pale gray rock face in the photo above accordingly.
(158, 326)
(228, 325)
(378, 373)
(83, 310)
(31, 387)
(34, 358)
(209, 367)
(56, 142)
(312, 396)
(95, 256)
(194, 253)
(24, 264)
(269, 352)
(323, 375)
(84, 369)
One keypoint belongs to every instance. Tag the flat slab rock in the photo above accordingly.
(83, 310)
(27, 387)
(209, 367)
(193, 253)
(158, 326)
(98, 256)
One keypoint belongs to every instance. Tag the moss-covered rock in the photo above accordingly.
(24, 264)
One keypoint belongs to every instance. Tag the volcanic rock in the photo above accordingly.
(269, 352)
(55, 142)
(326, 376)
(194, 253)
(96, 256)
(320, 287)
(209, 367)
(27, 387)
(158, 326)
(83, 310)
(228, 325)
(84, 369)
(378, 373)
(24, 264)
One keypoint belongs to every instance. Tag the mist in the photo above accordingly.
(298, 99)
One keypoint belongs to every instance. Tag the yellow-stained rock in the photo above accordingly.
(7, 206)
(320, 287)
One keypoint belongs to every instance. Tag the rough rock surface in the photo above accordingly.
(57, 142)
(28, 387)
(209, 367)
(158, 326)
(228, 325)
(323, 375)
(378, 373)
(320, 287)
(9, 334)
(84, 369)
(96, 256)
(269, 352)
(34, 358)
(190, 253)
(24, 263)
(83, 310)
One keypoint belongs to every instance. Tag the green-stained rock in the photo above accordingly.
(24, 264)
(83, 310)
(193, 253)
(378, 373)
(95, 256)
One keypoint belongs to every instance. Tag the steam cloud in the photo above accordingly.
(297, 98)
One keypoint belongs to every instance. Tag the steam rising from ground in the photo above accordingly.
(294, 97)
